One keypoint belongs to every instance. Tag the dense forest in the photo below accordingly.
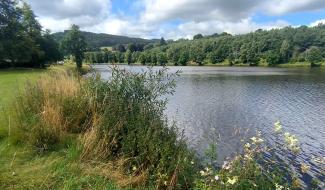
(96, 41)
(272, 47)
(23, 42)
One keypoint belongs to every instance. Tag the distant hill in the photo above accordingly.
(96, 41)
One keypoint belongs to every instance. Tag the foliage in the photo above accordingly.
(314, 55)
(276, 47)
(121, 119)
(22, 41)
(74, 44)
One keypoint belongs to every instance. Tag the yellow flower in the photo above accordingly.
(304, 168)
(233, 180)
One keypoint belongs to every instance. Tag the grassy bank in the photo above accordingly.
(63, 131)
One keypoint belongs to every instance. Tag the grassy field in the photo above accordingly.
(12, 80)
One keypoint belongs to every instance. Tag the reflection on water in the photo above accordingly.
(226, 104)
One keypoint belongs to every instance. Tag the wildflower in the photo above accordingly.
(247, 145)
(226, 165)
(192, 162)
(248, 157)
(278, 187)
(216, 177)
(277, 127)
(256, 140)
(134, 168)
(165, 183)
(304, 168)
(202, 173)
(233, 180)
(292, 142)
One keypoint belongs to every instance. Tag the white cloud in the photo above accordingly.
(317, 22)
(57, 14)
(156, 18)
(280, 7)
(189, 29)
(230, 10)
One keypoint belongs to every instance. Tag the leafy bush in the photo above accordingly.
(133, 126)
(121, 119)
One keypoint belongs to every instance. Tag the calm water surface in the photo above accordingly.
(224, 105)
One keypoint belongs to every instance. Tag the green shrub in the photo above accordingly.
(133, 126)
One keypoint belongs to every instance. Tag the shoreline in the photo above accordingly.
(285, 65)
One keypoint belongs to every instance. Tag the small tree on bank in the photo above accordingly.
(74, 44)
(314, 56)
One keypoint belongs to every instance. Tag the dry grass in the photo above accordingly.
(114, 171)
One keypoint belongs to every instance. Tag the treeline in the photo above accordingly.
(276, 46)
(23, 43)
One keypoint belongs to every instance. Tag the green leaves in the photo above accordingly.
(74, 44)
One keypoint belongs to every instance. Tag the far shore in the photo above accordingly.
(285, 65)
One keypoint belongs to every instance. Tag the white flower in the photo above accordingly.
(226, 165)
(304, 168)
(202, 173)
(292, 142)
(278, 187)
(277, 127)
(247, 145)
(216, 177)
(256, 140)
(192, 162)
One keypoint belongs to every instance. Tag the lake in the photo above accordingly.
(227, 105)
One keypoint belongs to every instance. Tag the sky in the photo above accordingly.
(174, 19)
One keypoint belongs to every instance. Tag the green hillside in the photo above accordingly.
(96, 41)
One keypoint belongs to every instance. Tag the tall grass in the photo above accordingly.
(118, 121)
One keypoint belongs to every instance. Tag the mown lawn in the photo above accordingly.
(12, 80)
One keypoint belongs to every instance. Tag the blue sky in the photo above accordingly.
(176, 19)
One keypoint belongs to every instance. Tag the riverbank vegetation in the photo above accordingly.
(68, 132)
(290, 46)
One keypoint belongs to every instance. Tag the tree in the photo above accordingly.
(120, 48)
(197, 36)
(183, 59)
(285, 51)
(128, 57)
(314, 56)
(50, 47)
(132, 47)
(74, 44)
(162, 42)
(273, 58)
(33, 29)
